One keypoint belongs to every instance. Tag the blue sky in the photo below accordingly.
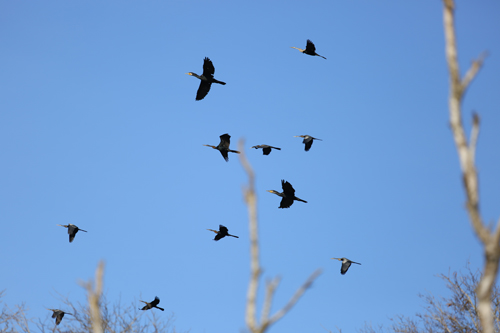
(99, 127)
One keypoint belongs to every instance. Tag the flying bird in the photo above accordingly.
(308, 140)
(223, 232)
(310, 49)
(346, 263)
(266, 150)
(207, 78)
(58, 314)
(288, 195)
(153, 304)
(72, 230)
(223, 147)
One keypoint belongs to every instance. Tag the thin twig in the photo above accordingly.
(474, 135)
(298, 294)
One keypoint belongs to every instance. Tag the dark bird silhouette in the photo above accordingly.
(308, 140)
(288, 195)
(153, 304)
(223, 232)
(72, 230)
(346, 263)
(58, 314)
(266, 150)
(207, 78)
(223, 147)
(310, 49)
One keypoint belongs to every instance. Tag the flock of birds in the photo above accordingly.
(287, 196)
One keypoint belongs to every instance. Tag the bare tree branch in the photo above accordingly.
(94, 297)
(466, 154)
(298, 294)
(250, 316)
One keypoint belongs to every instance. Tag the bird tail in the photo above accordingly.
(233, 236)
(234, 151)
(298, 199)
(162, 309)
(320, 56)
(219, 82)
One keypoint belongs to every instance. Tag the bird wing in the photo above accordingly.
(208, 68)
(266, 150)
(156, 301)
(310, 47)
(72, 230)
(60, 316)
(345, 267)
(223, 229)
(203, 90)
(286, 202)
(224, 154)
(308, 144)
(288, 190)
(225, 140)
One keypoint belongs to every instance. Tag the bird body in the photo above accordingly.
(288, 195)
(223, 232)
(207, 78)
(310, 49)
(153, 304)
(58, 314)
(266, 149)
(308, 141)
(223, 146)
(346, 263)
(72, 230)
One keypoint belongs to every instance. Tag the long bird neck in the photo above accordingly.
(201, 77)
(301, 50)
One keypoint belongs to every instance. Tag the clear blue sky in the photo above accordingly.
(99, 127)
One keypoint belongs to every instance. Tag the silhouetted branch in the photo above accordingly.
(255, 270)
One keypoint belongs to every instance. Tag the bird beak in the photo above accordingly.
(335, 258)
(188, 73)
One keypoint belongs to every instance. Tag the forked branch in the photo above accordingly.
(466, 155)
(251, 317)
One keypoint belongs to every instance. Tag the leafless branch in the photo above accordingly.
(94, 296)
(466, 154)
(251, 317)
